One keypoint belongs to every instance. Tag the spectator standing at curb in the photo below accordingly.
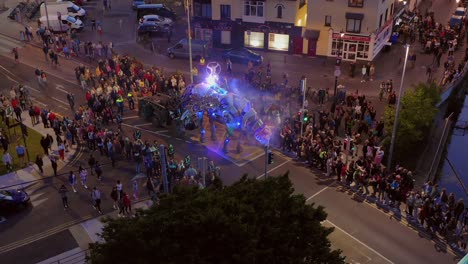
(64, 194)
(96, 195)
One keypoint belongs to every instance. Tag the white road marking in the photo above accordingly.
(319, 192)
(38, 102)
(147, 130)
(34, 89)
(360, 242)
(60, 100)
(35, 201)
(61, 88)
(146, 124)
(130, 117)
(275, 168)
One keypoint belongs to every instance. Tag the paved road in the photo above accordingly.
(366, 234)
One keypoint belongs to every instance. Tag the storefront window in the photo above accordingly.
(226, 37)
(254, 39)
(278, 41)
(350, 49)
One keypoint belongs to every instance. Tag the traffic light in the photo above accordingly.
(306, 118)
(270, 157)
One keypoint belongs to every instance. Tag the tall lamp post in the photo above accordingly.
(397, 111)
(187, 7)
(339, 59)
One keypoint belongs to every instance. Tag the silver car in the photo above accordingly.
(156, 20)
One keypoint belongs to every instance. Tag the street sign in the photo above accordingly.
(337, 73)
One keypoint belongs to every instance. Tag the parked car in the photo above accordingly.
(243, 55)
(136, 3)
(149, 30)
(13, 199)
(156, 20)
(456, 21)
(155, 9)
(200, 49)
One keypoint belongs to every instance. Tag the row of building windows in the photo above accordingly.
(251, 8)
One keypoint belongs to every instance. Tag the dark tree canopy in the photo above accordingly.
(251, 221)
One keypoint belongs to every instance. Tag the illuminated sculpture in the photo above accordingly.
(232, 110)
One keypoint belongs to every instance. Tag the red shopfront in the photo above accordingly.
(351, 47)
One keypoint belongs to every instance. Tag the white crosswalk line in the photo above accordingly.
(36, 199)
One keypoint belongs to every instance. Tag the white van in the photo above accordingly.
(63, 24)
(64, 8)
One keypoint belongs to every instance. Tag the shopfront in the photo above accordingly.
(270, 36)
(350, 47)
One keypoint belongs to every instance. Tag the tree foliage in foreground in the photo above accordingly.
(251, 221)
(417, 112)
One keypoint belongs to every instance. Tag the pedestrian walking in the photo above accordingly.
(98, 170)
(91, 163)
(15, 54)
(96, 195)
(115, 197)
(71, 101)
(72, 180)
(53, 162)
(229, 66)
(121, 207)
(20, 152)
(119, 187)
(39, 162)
(364, 73)
(8, 161)
(135, 189)
(64, 194)
(37, 72)
(127, 203)
(83, 176)
(61, 150)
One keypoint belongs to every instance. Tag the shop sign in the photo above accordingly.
(351, 37)
(223, 26)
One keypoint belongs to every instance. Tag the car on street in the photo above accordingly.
(162, 22)
(136, 3)
(243, 55)
(150, 30)
(460, 11)
(13, 199)
(456, 21)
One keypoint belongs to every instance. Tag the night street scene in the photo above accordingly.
(233, 131)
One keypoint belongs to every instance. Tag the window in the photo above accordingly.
(278, 42)
(253, 8)
(225, 11)
(254, 39)
(328, 21)
(380, 21)
(386, 15)
(353, 25)
(391, 9)
(226, 37)
(202, 9)
(279, 11)
(355, 3)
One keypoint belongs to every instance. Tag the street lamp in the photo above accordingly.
(187, 6)
(337, 72)
(397, 111)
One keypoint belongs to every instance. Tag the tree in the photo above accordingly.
(249, 222)
(418, 109)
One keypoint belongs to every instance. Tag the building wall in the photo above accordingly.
(270, 10)
(337, 9)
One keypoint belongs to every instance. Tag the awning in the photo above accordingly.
(356, 16)
(311, 34)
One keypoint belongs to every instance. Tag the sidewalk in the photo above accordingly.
(25, 177)
(86, 233)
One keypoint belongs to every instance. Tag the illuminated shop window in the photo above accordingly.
(254, 39)
(278, 41)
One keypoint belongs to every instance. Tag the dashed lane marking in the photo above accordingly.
(59, 100)
(61, 88)
(275, 168)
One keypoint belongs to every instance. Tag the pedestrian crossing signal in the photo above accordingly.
(270, 157)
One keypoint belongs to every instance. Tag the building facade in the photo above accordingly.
(268, 25)
(352, 29)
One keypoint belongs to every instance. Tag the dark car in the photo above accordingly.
(243, 55)
(13, 199)
(149, 29)
(456, 21)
